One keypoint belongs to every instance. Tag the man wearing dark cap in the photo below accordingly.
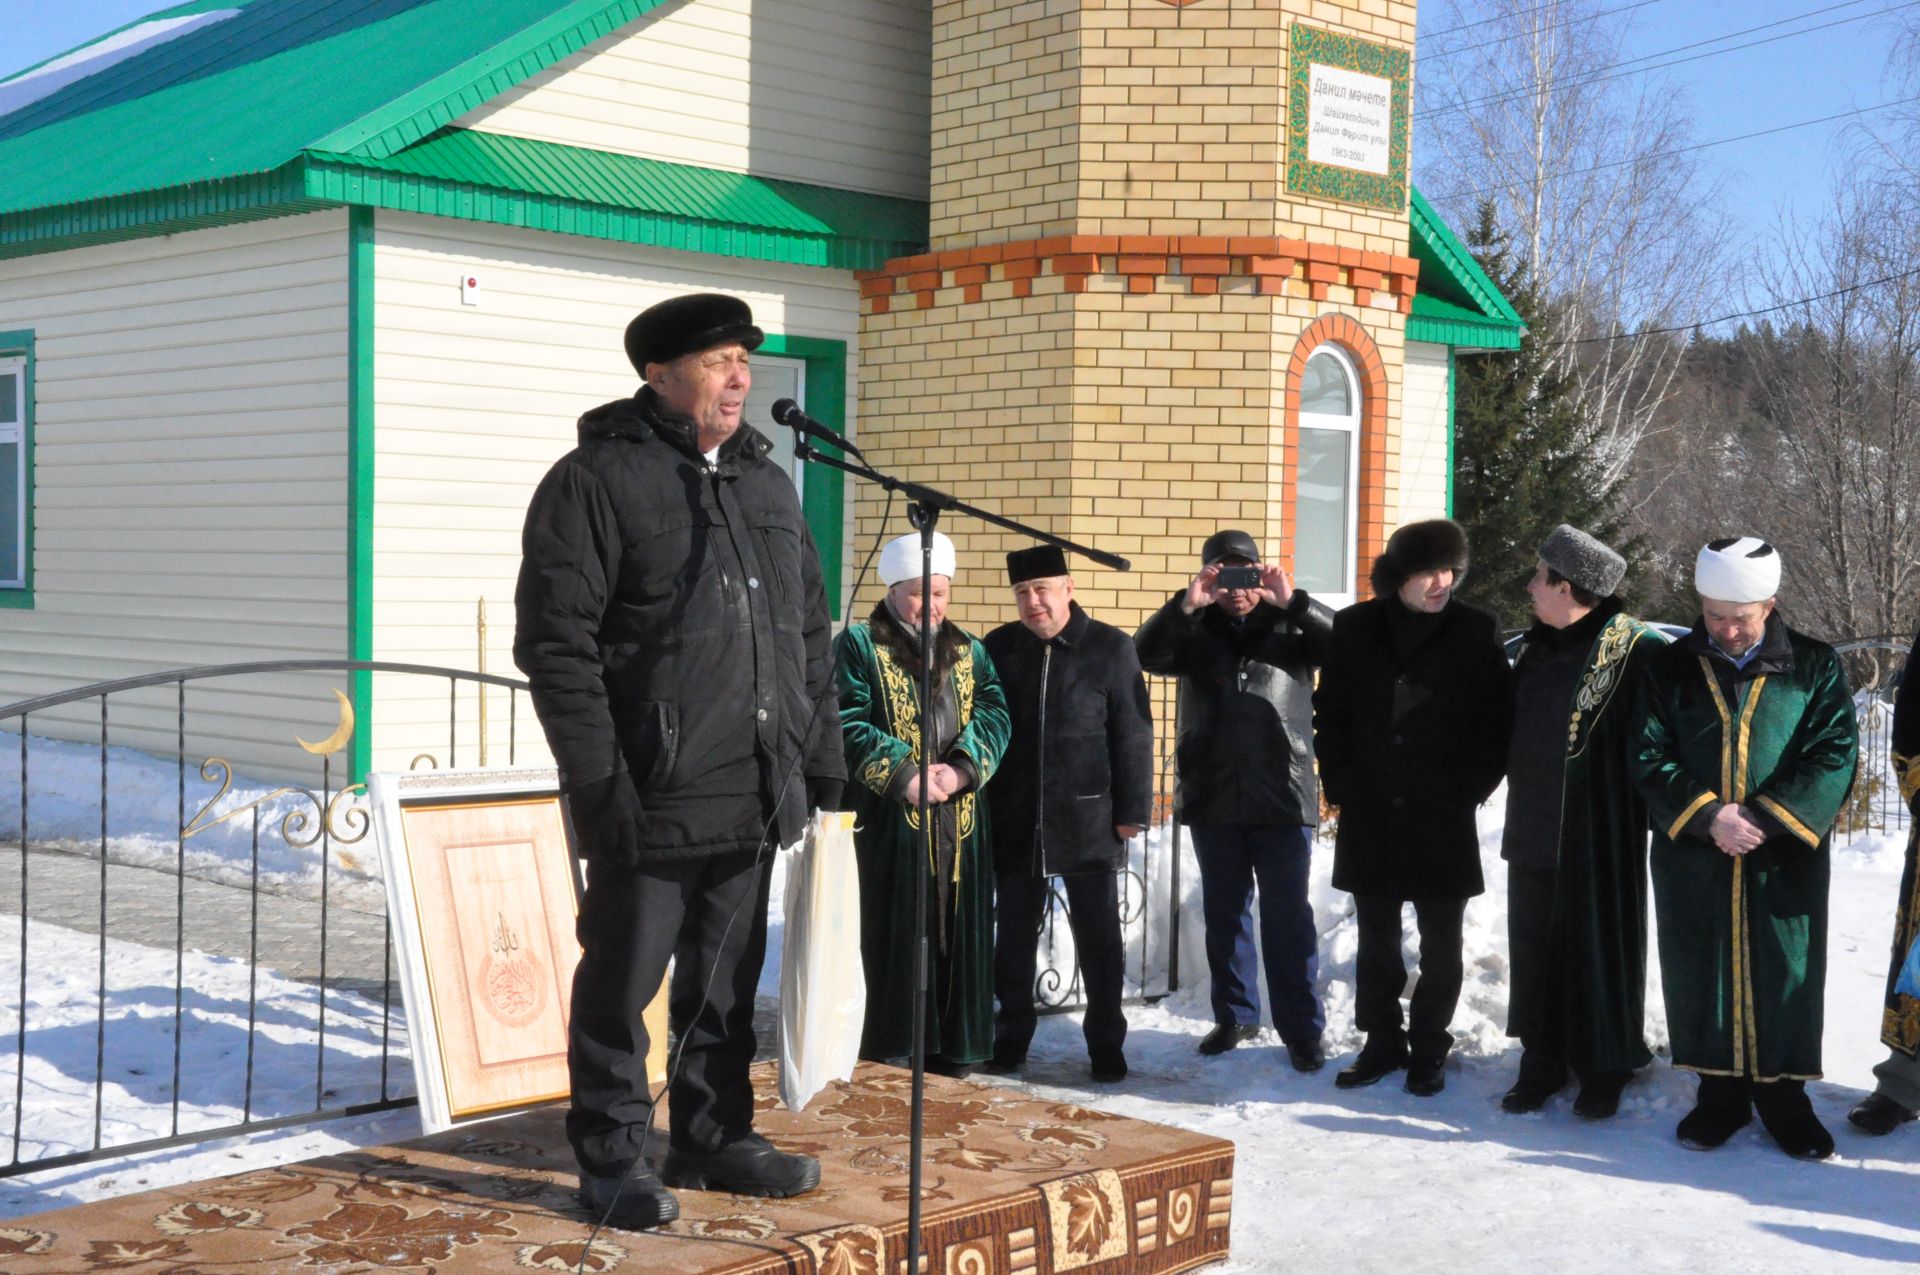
(1075, 785)
(1410, 723)
(674, 627)
(1244, 643)
(1576, 834)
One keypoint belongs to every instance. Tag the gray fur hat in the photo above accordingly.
(1417, 547)
(1584, 560)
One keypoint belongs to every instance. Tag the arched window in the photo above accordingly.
(1327, 493)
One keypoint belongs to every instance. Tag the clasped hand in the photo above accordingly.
(1735, 831)
(943, 783)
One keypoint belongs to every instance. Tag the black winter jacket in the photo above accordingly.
(674, 627)
(1410, 724)
(1080, 755)
(1245, 745)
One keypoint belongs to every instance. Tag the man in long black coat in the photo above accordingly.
(1245, 650)
(1075, 785)
(673, 624)
(1410, 725)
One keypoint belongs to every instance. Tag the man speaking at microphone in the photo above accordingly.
(673, 624)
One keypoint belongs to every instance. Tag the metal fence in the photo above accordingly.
(1874, 667)
(296, 962)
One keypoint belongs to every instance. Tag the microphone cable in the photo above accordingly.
(761, 858)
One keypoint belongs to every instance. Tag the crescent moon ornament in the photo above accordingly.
(341, 733)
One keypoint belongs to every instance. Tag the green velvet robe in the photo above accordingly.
(1743, 939)
(1600, 885)
(879, 716)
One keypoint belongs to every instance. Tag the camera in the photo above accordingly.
(1238, 578)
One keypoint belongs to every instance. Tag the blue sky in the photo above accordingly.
(1820, 73)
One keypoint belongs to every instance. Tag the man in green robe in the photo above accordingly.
(878, 667)
(1747, 745)
(1575, 840)
(1895, 1099)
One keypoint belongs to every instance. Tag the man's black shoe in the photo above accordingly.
(1003, 1063)
(1426, 1076)
(1788, 1117)
(1226, 1036)
(635, 1203)
(1306, 1055)
(1373, 1063)
(748, 1165)
(1109, 1066)
(939, 1066)
(1527, 1095)
(1599, 1097)
(1878, 1115)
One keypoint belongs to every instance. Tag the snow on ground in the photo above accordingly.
(1363, 1180)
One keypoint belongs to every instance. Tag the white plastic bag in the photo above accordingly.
(823, 990)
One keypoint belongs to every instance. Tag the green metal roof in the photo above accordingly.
(251, 93)
(1455, 297)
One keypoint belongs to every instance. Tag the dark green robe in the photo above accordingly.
(1900, 1021)
(1743, 939)
(1600, 882)
(880, 718)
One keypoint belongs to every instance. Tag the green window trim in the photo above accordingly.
(20, 597)
(824, 498)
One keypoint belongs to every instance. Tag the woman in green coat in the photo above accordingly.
(878, 667)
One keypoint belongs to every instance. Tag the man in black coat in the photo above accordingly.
(1075, 786)
(1244, 646)
(673, 624)
(1410, 725)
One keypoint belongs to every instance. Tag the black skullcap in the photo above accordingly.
(1042, 562)
(699, 321)
(1222, 545)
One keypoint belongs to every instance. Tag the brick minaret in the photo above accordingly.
(1107, 333)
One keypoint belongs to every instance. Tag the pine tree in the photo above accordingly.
(1524, 459)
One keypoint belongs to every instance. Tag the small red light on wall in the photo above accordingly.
(469, 289)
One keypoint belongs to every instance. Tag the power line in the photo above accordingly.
(1451, 195)
(1481, 22)
(1744, 314)
(1627, 67)
(1442, 54)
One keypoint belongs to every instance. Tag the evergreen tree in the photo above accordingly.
(1524, 459)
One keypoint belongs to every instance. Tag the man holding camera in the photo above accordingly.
(1244, 643)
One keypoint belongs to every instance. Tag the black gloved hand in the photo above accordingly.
(824, 793)
(606, 818)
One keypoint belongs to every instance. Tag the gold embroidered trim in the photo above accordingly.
(1743, 953)
(1786, 817)
(1693, 808)
(1602, 677)
(1758, 1080)
(1907, 769)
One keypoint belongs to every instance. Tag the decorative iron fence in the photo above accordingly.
(281, 864)
(1874, 668)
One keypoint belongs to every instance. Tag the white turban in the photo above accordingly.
(1743, 570)
(900, 560)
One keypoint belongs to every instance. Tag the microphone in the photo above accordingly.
(787, 412)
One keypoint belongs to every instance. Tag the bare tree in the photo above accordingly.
(1536, 107)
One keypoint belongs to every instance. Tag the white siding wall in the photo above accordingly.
(1423, 434)
(474, 403)
(190, 467)
(833, 92)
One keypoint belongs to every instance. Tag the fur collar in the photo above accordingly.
(948, 644)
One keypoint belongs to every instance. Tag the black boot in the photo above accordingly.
(1541, 1076)
(1878, 1115)
(1109, 1064)
(1599, 1096)
(1384, 1054)
(634, 1202)
(1725, 1107)
(1005, 1061)
(1226, 1036)
(748, 1165)
(1788, 1116)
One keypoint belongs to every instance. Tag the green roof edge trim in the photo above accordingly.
(481, 78)
(1457, 260)
(279, 193)
(1439, 323)
(338, 180)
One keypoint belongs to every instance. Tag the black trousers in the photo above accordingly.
(1380, 973)
(1533, 1005)
(710, 916)
(1093, 913)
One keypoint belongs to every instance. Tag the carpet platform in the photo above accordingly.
(1014, 1186)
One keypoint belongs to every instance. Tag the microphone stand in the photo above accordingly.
(924, 507)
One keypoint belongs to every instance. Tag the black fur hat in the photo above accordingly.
(1417, 547)
(663, 332)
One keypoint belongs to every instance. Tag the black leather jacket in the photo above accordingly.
(1245, 743)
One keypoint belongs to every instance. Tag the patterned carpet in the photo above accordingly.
(1013, 1186)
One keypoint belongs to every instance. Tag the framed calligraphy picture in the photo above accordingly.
(482, 888)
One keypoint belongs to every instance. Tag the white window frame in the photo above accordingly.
(16, 433)
(1350, 425)
(799, 467)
